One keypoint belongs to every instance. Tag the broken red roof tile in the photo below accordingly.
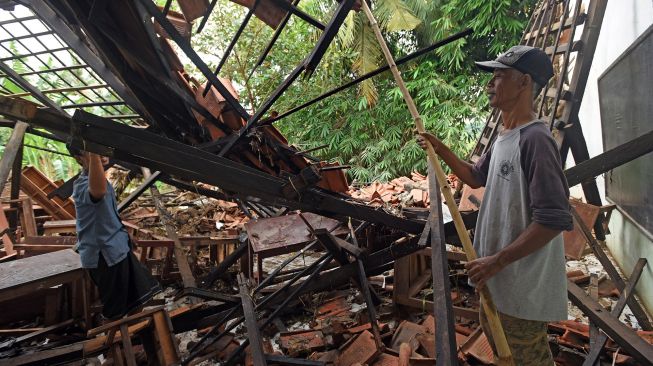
(367, 326)
(405, 333)
(478, 346)
(361, 348)
(302, 341)
(429, 323)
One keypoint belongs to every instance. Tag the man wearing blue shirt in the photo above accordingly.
(103, 243)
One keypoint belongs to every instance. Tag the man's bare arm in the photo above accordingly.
(461, 168)
(97, 181)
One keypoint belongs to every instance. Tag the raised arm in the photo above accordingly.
(97, 181)
(462, 169)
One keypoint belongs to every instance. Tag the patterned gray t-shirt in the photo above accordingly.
(524, 182)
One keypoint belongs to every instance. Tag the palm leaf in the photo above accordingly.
(347, 31)
(367, 59)
(397, 16)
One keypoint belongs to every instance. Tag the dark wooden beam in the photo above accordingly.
(341, 12)
(206, 16)
(171, 232)
(270, 44)
(16, 174)
(634, 306)
(623, 335)
(604, 162)
(185, 46)
(602, 338)
(13, 146)
(292, 8)
(125, 143)
(253, 332)
(445, 335)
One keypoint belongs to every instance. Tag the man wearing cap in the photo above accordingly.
(103, 243)
(524, 210)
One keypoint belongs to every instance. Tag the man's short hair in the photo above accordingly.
(537, 88)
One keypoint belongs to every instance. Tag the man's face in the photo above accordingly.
(504, 88)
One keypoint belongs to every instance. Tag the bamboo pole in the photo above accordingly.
(503, 350)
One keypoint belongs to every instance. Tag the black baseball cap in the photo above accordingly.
(529, 60)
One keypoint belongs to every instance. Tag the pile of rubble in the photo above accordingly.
(193, 215)
(298, 320)
(399, 192)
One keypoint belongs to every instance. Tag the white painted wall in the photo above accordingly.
(624, 21)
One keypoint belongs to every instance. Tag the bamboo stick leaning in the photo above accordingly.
(503, 350)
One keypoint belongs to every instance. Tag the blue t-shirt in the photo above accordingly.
(99, 229)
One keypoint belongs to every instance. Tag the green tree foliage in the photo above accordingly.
(369, 127)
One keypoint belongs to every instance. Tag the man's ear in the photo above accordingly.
(526, 81)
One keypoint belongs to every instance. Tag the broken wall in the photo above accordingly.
(624, 21)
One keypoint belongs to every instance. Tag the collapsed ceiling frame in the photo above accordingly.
(65, 66)
(95, 35)
(80, 39)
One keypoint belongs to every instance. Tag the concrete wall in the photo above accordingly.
(624, 21)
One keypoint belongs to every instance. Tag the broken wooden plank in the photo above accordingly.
(169, 353)
(38, 187)
(6, 240)
(610, 159)
(59, 355)
(36, 333)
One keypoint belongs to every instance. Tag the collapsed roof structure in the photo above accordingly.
(118, 63)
